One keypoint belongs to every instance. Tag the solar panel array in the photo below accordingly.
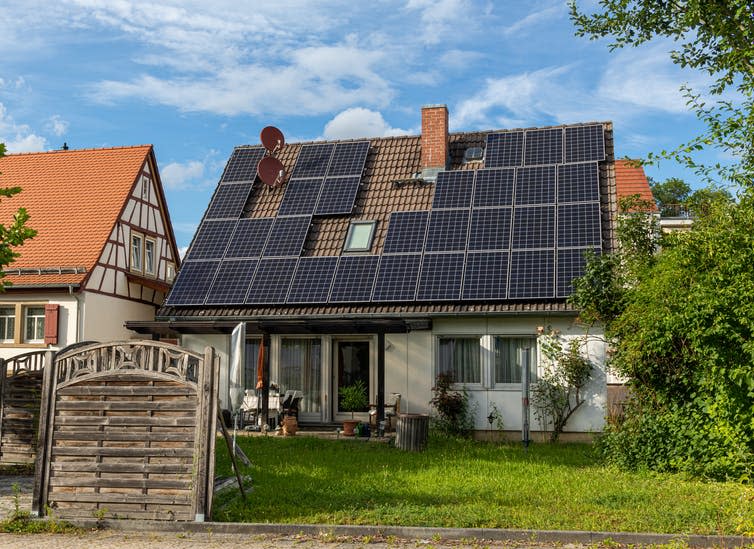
(325, 179)
(517, 229)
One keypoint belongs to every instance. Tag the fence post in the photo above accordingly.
(39, 495)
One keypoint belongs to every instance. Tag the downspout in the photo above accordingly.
(79, 313)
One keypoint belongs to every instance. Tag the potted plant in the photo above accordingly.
(352, 398)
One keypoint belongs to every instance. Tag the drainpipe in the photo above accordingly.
(79, 313)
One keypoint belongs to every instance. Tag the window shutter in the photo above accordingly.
(51, 324)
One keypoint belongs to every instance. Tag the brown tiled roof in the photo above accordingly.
(74, 198)
(389, 184)
(630, 180)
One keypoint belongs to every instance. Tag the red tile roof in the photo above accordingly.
(74, 198)
(630, 179)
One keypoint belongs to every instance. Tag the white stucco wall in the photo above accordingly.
(103, 317)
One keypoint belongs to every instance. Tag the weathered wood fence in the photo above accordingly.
(127, 430)
(20, 394)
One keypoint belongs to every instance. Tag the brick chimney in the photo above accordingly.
(434, 140)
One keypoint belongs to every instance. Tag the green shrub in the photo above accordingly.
(454, 416)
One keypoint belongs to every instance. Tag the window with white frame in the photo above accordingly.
(509, 357)
(137, 245)
(149, 256)
(170, 271)
(460, 357)
(359, 237)
(34, 324)
(7, 324)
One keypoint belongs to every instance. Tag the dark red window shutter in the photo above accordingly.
(51, 324)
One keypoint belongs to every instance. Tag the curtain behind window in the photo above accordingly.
(507, 361)
(301, 369)
(461, 357)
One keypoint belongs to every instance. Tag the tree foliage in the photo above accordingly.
(674, 197)
(14, 234)
(716, 38)
(685, 340)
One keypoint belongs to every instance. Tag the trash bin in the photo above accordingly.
(411, 432)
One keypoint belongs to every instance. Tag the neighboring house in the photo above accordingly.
(104, 251)
(391, 260)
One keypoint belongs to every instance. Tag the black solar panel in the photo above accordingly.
(579, 225)
(249, 238)
(287, 236)
(532, 274)
(494, 187)
(191, 284)
(228, 201)
(490, 229)
(448, 230)
(300, 196)
(348, 159)
(354, 279)
(338, 196)
(242, 165)
(485, 276)
(313, 160)
(578, 182)
(534, 227)
(312, 281)
(232, 282)
(583, 143)
(544, 146)
(211, 240)
(271, 280)
(571, 265)
(397, 277)
(453, 189)
(504, 149)
(406, 232)
(535, 185)
(440, 278)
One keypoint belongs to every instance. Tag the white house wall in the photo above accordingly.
(410, 369)
(103, 317)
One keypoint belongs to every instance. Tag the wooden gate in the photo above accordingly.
(20, 390)
(127, 430)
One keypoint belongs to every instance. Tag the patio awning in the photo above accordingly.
(357, 325)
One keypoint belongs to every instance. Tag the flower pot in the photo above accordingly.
(290, 425)
(348, 427)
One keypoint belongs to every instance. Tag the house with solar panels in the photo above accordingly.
(392, 260)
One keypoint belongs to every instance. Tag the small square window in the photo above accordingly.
(7, 324)
(359, 237)
(149, 257)
(136, 252)
(34, 320)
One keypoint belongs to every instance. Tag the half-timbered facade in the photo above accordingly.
(104, 251)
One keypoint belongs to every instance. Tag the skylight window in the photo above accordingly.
(359, 237)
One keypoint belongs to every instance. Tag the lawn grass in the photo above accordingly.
(471, 484)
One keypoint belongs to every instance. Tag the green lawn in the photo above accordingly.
(466, 484)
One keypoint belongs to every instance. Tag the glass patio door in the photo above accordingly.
(301, 370)
(350, 364)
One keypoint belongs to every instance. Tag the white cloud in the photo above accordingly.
(534, 19)
(441, 18)
(18, 137)
(359, 122)
(177, 175)
(57, 125)
(647, 78)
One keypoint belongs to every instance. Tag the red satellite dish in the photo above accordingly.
(271, 171)
(272, 139)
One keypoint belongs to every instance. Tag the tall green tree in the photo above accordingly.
(14, 234)
(716, 38)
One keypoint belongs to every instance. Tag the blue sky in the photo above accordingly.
(196, 78)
